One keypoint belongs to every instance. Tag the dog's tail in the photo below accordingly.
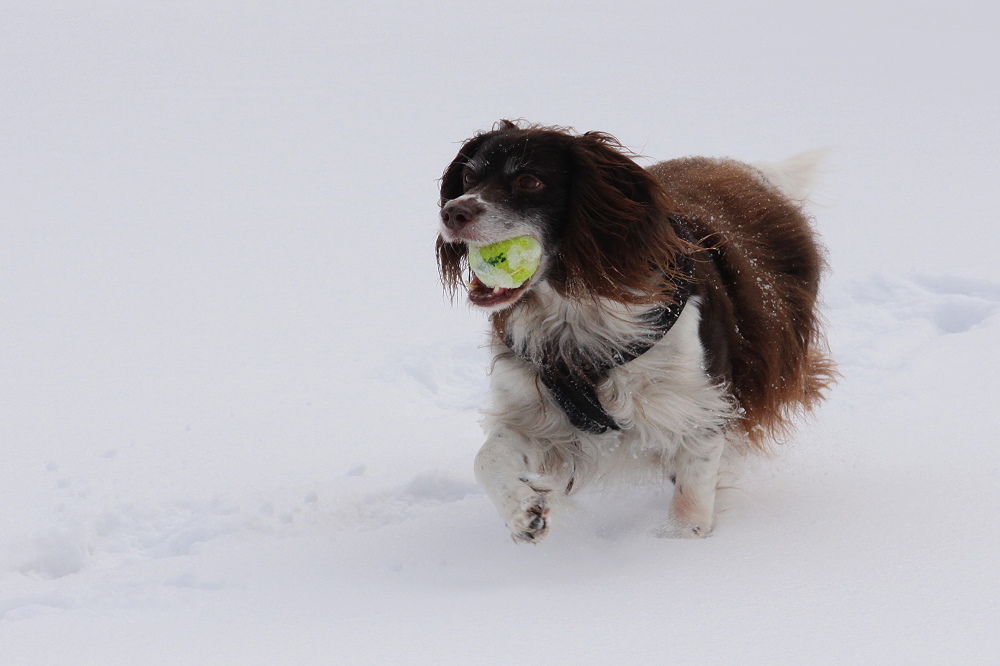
(795, 176)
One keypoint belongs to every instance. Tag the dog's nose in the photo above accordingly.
(457, 214)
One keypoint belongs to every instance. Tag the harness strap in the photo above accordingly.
(575, 388)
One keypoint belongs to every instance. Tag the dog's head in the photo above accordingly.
(601, 219)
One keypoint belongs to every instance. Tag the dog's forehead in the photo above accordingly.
(509, 154)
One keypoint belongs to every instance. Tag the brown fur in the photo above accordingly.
(619, 243)
(759, 276)
(616, 241)
(758, 263)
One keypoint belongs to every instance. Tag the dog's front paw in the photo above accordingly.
(683, 530)
(691, 514)
(527, 514)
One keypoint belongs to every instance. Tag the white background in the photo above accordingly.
(237, 416)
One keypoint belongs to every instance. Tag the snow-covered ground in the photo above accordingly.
(237, 417)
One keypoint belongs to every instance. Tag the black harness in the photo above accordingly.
(573, 385)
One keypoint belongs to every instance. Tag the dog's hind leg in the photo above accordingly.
(513, 473)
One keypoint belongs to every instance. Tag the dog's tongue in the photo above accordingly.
(481, 294)
(478, 286)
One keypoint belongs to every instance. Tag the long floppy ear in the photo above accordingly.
(619, 242)
(451, 264)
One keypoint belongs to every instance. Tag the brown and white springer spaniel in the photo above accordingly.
(672, 318)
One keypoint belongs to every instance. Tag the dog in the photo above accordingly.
(672, 318)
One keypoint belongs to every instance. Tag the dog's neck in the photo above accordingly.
(546, 324)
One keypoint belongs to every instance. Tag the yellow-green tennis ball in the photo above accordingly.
(508, 264)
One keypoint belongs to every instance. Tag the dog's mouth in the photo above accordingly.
(501, 272)
(494, 298)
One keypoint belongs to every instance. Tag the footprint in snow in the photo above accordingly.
(451, 377)
(951, 304)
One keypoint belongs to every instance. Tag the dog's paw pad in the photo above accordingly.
(529, 522)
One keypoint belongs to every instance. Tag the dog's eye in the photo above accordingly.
(527, 182)
(469, 178)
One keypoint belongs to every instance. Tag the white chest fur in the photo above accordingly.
(663, 399)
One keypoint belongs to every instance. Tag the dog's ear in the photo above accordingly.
(618, 240)
(451, 264)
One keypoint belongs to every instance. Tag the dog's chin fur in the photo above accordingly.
(742, 360)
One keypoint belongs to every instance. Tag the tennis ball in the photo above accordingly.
(508, 264)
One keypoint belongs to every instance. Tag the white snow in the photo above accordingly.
(233, 432)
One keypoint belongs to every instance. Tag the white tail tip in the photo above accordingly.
(795, 176)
